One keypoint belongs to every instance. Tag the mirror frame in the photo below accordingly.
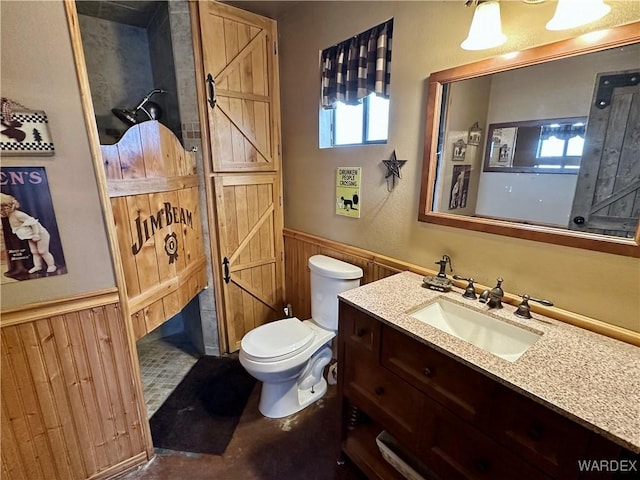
(587, 43)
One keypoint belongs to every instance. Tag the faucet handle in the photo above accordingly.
(524, 311)
(470, 291)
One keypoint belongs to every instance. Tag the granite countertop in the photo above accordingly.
(587, 377)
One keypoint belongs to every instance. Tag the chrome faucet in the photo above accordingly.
(493, 297)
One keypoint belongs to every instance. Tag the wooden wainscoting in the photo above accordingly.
(299, 246)
(70, 407)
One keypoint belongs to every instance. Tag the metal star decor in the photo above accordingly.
(393, 168)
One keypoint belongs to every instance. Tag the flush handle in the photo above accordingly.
(379, 390)
(360, 332)
(427, 372)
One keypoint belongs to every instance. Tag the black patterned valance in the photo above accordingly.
(357, 67)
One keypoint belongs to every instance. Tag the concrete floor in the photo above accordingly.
(302, 446)
(299, 447)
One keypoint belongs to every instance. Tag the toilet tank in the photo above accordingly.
(329, 277)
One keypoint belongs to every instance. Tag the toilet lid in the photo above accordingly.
(276, 339)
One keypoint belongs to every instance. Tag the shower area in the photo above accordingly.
(139, 60)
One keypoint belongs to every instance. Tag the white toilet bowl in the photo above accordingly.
(288, 356)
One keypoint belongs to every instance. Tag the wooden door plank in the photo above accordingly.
(154, 315)
(167, 266)
(146, 260)
(125, 240)
(241, 250)
(246, 287)
(130, 153)
(233, 113)
(111, 159)
(235, 56)
(212, 31)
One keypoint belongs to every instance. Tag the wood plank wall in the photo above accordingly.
(299, 246)
(69, 406)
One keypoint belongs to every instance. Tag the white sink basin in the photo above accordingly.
(490, 334)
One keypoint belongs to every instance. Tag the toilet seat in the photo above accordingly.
(277, 340)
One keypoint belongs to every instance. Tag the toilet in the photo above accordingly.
(288, 356)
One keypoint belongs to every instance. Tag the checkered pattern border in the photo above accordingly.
(30, 118)
(26, 146)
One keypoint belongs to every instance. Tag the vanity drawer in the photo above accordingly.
(359, 330)
(456, 451)
(538, 434)
(383, 396)
(465, 391)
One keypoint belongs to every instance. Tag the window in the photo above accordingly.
(355, 89)
(560, 146)
(367, 122)
(536, 146)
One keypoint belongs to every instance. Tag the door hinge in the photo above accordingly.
(280, 200)
(275, 48)
(279, 154)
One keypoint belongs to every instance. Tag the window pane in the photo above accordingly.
(552, 147)
(348, 126)
(378, 121)
(574, 147)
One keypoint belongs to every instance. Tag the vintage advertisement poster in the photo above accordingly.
(459, 186)
(30, 246)
(348, 191)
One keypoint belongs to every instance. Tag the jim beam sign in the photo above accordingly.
(164, 217)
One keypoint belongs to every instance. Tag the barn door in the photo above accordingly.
(240, 82)
(240, 68)
(250, 232)
(607, 199)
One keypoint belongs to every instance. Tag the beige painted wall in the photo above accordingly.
(427, 36)
(38, 71)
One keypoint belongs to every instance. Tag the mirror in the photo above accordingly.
(541, 144)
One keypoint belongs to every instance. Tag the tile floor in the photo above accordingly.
(163, 364)
(302, 446)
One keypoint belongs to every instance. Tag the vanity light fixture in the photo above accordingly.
(574, 13)
(486, 26)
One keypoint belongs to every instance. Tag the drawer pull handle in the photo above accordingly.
(482, 466)
(427, 372)
(360, 332)
(379, 390)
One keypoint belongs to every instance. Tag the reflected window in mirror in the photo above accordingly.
(558, 156)
(537, 146)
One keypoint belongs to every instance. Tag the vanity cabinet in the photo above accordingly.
(456, 421)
